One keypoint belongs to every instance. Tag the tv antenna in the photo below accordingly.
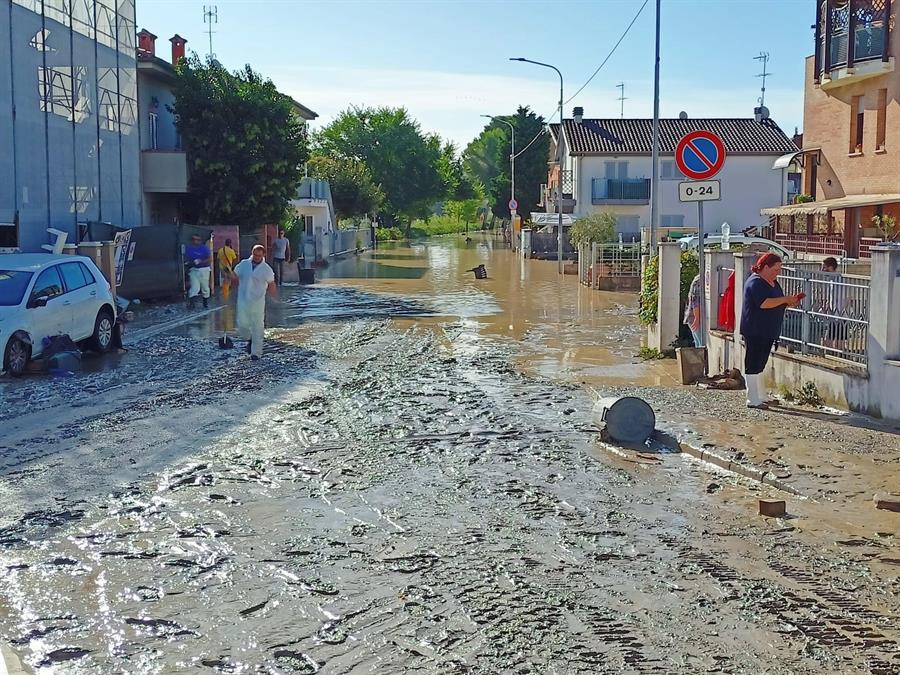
(210, 17)
(621, 99)
(764, 57)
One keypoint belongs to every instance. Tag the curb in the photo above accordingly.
(744, 470)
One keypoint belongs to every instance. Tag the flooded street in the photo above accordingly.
(412, 480)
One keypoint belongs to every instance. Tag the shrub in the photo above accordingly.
(596, 228)
(690, 265)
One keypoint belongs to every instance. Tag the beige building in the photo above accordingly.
(851, 136)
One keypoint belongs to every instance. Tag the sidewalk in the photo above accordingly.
(10, 664)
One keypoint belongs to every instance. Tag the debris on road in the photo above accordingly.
(887, 502)
(628, 419)
(772, 508)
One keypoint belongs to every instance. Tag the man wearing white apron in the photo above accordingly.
(253, 278)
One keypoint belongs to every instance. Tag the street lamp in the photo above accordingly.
(512, 159)
(559, 147)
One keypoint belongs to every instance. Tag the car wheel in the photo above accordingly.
(102, 338)
(16, 356)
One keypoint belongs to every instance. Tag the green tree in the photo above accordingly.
(402, 160)
(594, 228)
(352, 188)
(245, 143)
(487, 158)
(458, 183)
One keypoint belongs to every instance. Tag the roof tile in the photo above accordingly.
(742, 136)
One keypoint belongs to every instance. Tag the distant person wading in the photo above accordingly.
(761, 319)
(281, 253)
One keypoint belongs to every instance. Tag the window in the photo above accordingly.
(882, 120)
(48, 284)
(628, 225)
(12, 287)
(73, 275)
(674, 220)
(616, 170)
(309, 225)
(89, 276)
(857, 124)
(668, 170)
(154, 131)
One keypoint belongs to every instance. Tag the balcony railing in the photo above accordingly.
(620, 191)
(851, 32)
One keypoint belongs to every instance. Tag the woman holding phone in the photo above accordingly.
(761, 319)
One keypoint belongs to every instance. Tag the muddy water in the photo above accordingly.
(387, 492)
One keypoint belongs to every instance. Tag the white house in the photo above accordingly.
(314, 206)
(607, 167)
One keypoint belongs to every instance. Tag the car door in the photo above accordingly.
(52, 318)
(81, 290)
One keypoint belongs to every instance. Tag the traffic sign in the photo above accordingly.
(513, 204)
(699, 191)
(700, 155)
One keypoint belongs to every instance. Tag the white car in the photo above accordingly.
(42, 295)
(715, 240)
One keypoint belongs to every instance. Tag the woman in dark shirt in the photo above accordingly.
(761, 318)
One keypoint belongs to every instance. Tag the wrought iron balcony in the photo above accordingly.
(852, 40)
(620, 191)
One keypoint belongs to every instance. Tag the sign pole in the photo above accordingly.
(702, 272)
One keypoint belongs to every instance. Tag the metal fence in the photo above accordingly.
(833, 319)
(599, 261)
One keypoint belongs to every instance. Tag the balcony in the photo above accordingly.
(852, 41)
(622, 191)
(164, 171)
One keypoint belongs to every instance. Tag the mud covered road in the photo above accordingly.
(395, 496)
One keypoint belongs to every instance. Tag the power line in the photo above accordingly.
(612, 51)
(539, 134)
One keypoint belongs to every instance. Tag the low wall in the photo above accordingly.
(840, 385)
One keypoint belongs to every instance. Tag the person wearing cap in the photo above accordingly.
(761, 319)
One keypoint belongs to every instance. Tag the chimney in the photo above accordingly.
(178, 44)
(578, 114)
(146, 42)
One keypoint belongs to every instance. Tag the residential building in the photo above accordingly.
(851, 134)
(314, 208)
(607, 167)
(68, 118)
(164, 163)
(164, 168)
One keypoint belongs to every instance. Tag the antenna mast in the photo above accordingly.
(764, 57)
(621, 99)
(210, 17)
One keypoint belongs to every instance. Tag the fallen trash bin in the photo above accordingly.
(480, 272)
(628, 419)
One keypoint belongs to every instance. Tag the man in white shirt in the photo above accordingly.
(254, 278)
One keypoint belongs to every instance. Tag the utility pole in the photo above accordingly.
(654, 183)
(621, 99)
(210, 17)
(764, 57)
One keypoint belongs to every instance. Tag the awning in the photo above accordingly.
(785, 161)
(550, 219)
(826, 205)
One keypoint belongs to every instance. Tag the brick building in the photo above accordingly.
(851, 136)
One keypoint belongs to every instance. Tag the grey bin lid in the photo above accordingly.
(628, 419)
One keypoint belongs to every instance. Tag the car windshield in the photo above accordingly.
(12, 287)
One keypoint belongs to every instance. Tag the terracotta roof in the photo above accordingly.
(742, 136)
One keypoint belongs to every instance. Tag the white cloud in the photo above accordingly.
(450, 103)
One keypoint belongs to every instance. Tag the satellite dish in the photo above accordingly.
(761, 113)
(682, 115)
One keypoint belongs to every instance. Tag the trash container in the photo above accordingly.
(305, 276)
(628, 419)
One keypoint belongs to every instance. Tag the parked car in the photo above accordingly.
(715, 240)
(42, 295)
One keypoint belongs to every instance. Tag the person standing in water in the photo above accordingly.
(281, 253)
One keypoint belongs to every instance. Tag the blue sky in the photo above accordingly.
(447, 61)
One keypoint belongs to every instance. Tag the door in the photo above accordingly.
(54, 318)
(81, 292)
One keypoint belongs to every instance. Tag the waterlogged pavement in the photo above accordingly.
(411, 481)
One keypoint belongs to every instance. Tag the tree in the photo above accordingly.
(487, 158)
(244, 141)
(352, 188)
(458, 184)
(594, 228)
(402, 160)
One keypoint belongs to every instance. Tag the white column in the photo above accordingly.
(743, 261)
(661, 335)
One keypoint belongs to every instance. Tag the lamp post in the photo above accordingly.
(512, 157)
(559, 147)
